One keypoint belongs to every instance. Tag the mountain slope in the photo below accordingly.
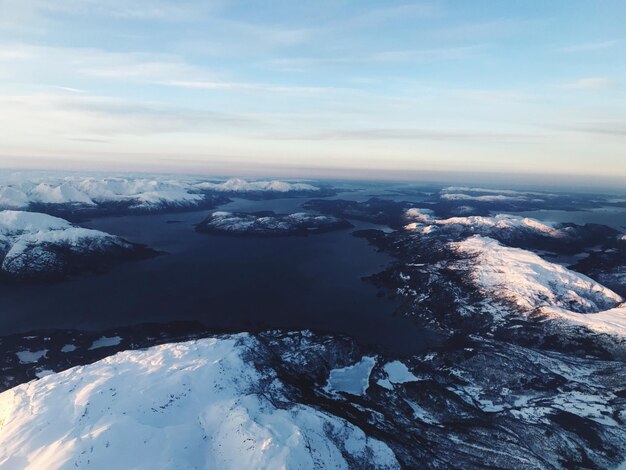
(199, 404)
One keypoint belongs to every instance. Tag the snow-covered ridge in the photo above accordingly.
(269, 223)
(90, 191)
(39, 245)
(502, 225)
(199, 404)
(485, 198)
(240, 185)
(141, 193)
(509, 192)
(532, 283)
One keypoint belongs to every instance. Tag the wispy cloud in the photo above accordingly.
(448, 135)
(67, 89)
(136, 9)
(616, 128)
(148, 69)
(399, 55)
(395, 12)
(76, 116)
(590, 83)
(250, 87)
(489, 30)
(589, 46)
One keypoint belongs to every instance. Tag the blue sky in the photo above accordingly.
(380, 87)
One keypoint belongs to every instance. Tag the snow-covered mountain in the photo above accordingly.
(138, 194)
(304, 400)
(502, 226)
(270, 224)
(527, 370)
(453, 259)
(34, 245)
(530, 281)
(238, 185)
(202, 404)
(539, 286)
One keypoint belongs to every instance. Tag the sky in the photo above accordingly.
(315, 87)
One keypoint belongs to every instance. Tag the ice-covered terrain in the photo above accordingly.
(487, 252)
(269, 223)
(137, 193)
(97, 194)
(530, 281)
(34, 245)
(528, 370)
(539, 286)
(304, 400)
(201, 404)
(501, 225)
(238, 185)
(513, 230)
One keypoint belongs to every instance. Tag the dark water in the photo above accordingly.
(225, 282)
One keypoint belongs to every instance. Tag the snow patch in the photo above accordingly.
(484, 198)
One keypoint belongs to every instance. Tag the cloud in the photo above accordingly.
(137, 9)
(615, 128)
(66, 64)
(385, 56)
(67, 89)
(590, 83)
(420, 134)
(92, 118)
(249, 87)
(396, 12)
(489, 30)
(589, 46)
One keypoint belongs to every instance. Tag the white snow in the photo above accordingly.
(12, 222)
(29, 357)
(353, 379)
(534, 284)
(483, 198)
(12, 198)
(277, 223)
(421, 414)
(105, 341)
(64, 193)
(611, 321)
(467, 189)
(502, 225)
(199, 404)
(416, 215)
(43, 373)
(68, 348)
(26, 238)
(142, 192)
(241, 185)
